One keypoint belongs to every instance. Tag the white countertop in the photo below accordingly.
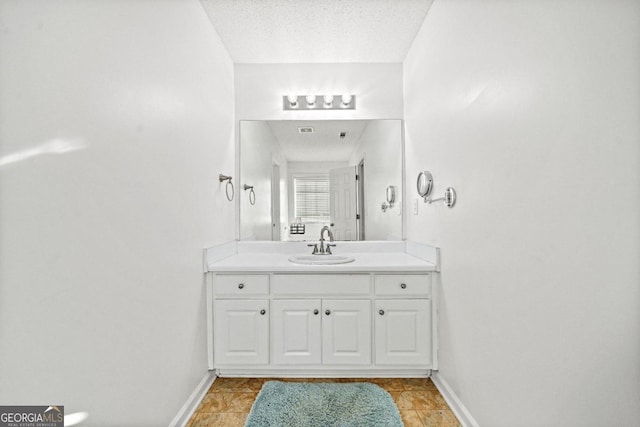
(279, 263)
(261, 257)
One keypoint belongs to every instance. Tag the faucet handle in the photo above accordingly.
(329, 248)
(315, 248)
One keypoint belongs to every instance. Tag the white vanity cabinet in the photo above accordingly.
(241, 319)
(322, 324)
(242, 331)
(321, 319)
(403, 319)
(346, 332)
(321, 332)
(297, 329)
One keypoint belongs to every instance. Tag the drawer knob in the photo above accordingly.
(403, 285)
(381, 312)
(316, 311)
(328, 312)
(263, 311)
(241, 286)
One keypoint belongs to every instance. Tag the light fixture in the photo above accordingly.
(293, 101)
(308, 102)
(311, 101)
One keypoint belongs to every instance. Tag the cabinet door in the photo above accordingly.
(403, 332)
(295, 331)
(346, 332)
(241, 332)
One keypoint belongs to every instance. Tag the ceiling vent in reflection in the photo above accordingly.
(305, 129)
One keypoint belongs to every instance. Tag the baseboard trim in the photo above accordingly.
(190, 406)
(459, 410)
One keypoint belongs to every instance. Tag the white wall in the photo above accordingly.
(530, 110)
(116, 118)
(381, 148)
(260, 87)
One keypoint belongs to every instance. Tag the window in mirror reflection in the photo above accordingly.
(311, 204)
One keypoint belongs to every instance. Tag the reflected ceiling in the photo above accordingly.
(324, 144)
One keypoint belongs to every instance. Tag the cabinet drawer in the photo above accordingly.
(403, 285)
(237, 285)
(321, 284)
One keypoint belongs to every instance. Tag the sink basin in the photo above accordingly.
(321, 259)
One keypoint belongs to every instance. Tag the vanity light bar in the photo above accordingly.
(319, 102)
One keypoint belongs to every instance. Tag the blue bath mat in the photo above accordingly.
(291, 404)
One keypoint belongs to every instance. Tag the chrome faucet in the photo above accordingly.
(322, 250)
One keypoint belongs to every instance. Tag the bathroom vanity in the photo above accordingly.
(374, 316)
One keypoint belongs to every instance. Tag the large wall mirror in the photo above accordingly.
(298, 176)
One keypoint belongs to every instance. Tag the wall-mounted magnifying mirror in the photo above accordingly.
(391, 195)
(425, 184)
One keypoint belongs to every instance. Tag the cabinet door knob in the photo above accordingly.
(328, 312)
(263, 311)
(403, 285)
(381, 312)
(241, 285)
(316, 311)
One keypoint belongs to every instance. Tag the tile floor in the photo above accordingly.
(229, 401)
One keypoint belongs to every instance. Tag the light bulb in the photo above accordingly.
(346, 100)
(293, 101)
(311, 101)
(328, 100)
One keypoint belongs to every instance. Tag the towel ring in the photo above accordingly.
(252, 194)
(226, 187)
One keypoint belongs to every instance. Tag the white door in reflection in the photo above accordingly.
(275, 202)
(343, 202)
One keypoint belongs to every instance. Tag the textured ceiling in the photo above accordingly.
(323, 145)
(311, 31)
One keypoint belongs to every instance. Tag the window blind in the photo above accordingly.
(312, 198)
